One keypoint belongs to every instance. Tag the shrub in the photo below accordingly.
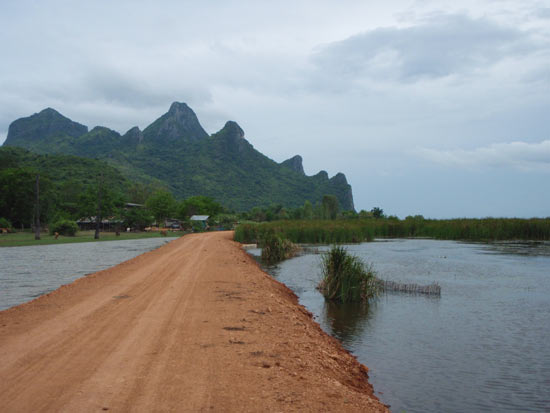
(276, 249)
(346, 278)
(4, 223)
(64, 227)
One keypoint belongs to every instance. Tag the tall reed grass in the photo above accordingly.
(346, 278)
(360, 230)
(306, 231)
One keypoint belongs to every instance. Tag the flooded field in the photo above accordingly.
(481, 346)
(28, 272)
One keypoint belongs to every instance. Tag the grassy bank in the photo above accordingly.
(25, 238)
(360, 230)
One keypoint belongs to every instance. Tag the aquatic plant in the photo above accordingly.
(306, 231)
(346, 278)
(276, 249)
(360, 230)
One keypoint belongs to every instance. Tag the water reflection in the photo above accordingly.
(29, 272)
(528, 248)
(481, 346)
(348, 321)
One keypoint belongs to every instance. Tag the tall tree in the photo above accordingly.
(37, 209)
(330, 207)
(377, 212)
(99, 211)
(17, 195)
(199, 205)
(162, 204)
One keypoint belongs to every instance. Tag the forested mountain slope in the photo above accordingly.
(176, 151)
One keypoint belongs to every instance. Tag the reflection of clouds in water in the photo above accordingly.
(29, 272)
(489, 321)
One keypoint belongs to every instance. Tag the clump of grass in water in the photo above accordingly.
(276, 249)
(346, 278)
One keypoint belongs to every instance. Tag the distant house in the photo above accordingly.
(200, 219)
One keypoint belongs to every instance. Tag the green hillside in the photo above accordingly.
(176, 152)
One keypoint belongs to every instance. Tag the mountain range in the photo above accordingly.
(178, 153)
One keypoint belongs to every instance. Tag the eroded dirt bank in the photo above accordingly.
(192, 326)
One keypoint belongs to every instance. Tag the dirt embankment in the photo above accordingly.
(192, 326)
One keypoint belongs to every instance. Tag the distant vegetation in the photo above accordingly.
(307, 232)
(365, 229)
(176, 153)
(70, 188)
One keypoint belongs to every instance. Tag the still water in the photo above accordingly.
(28, 272)
(484, 345)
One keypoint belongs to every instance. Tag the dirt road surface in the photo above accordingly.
(192, 326)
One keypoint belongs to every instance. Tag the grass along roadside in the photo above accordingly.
(20, 239)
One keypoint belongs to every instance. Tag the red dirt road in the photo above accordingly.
(192, 326)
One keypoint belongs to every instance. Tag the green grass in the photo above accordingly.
(26, 238)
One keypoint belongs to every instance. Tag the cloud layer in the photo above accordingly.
(518, 155)
(355, 87)
(437, 47)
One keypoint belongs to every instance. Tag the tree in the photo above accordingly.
(364, 214)
(377, 212)
(330, 207)
(138, 218)
(17, 197)
(139, 192)
(257, 214)
(161, 204)
(37, 209)
(199, 205)
(99, 200)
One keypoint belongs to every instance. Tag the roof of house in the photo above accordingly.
(199, 217)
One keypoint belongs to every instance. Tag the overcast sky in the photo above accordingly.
(439, 108)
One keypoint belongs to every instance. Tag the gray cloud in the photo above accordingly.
(440, 46)
(352, 86)
(543, 13)
(519, 155)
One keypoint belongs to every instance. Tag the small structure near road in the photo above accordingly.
(199, 220)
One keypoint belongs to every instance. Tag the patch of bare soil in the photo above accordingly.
(193, 326)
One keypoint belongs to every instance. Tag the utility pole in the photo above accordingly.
(37, 209)
(98, 215)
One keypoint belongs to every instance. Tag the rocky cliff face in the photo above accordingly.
(176, 150)
(134, 136)
(294, 163)
(178, 124)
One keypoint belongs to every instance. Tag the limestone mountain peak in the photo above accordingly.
(294, 163)
(178, 124)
